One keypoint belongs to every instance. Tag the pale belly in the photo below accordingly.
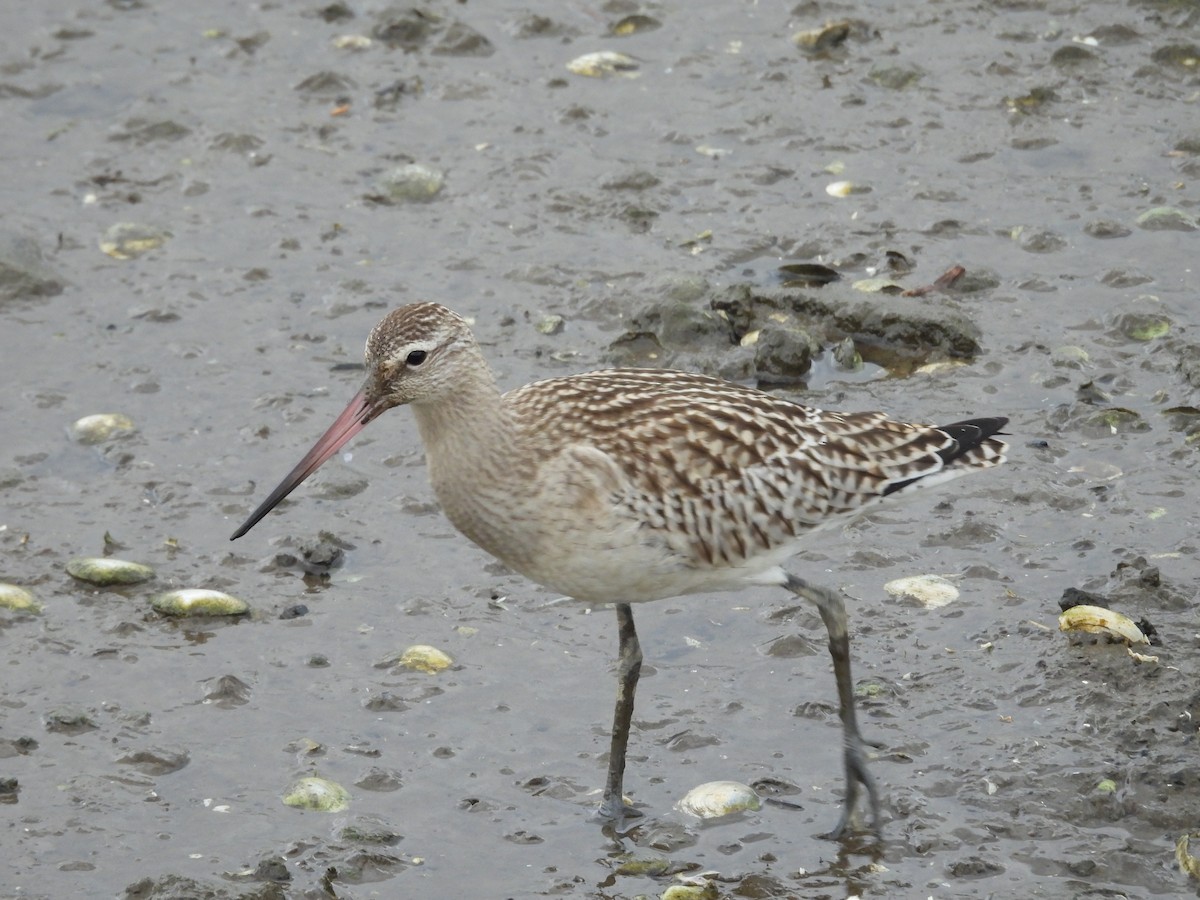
(601, 557)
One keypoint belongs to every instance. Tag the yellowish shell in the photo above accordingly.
(423, 658)
(106, 572)
(18, 599)
(1098, 620)
(98, 428)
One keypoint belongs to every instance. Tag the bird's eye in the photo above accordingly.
(415, 358)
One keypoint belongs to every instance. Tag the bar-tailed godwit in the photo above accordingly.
(628, 485)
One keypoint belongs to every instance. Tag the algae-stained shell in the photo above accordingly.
(101, 427)
(1098, 620)
(318, 794)
(1189, 863)
(931, 591)
(552, 324)
(846, 356)
(423, 658)
(1143, 326)
(106, 572)
(198, 602)
(646, 867)
(412, 183)
(706, 891)
(1167, 218)
(18, 599)
(714, 799)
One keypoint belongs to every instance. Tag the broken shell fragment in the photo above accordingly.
(551, 324)
(846, 355)
(828, 36)
(351, 42)
(18, 599)
(714, 799)
(318, 794)
(128, 240)
(633, 24)
(101, 427)
(879, 285)
(931, 591)
(106, 572)
(198, 602)
(602, 64)
(1098, 620)
(423, 658)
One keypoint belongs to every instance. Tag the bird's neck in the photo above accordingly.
(477, 465)
(468, 434)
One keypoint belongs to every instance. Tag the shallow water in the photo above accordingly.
(586, 198)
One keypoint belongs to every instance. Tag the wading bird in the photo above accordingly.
(627, 485)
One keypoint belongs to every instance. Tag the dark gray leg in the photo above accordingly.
(833, 614)
(629, 667)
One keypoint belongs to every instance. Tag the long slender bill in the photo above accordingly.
(352, 420)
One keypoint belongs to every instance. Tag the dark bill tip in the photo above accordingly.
(351, 421)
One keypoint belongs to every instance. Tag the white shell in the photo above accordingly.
(198, 602)
(931, 591)
(841, 188)
(602, 64)
(714, 799)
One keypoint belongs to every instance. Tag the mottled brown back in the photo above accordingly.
(732, 472)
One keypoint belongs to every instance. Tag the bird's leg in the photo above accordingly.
(833, 613)
(629, 667)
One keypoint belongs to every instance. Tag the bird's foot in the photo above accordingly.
(617, 816)
(858, 778)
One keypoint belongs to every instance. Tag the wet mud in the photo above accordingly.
(207, 207)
